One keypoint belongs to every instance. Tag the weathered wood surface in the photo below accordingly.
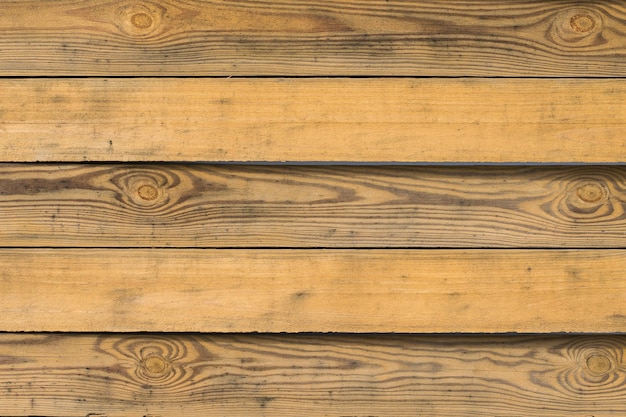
(359, 120)
(304, 206)
(312, 375)
(289, 37)
(312, 290)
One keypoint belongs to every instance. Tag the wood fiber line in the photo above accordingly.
(417, 291)
(293, 206)
(356, 120)
(312, 375)
(313, 37)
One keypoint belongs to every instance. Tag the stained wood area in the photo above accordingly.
(170, 205)
(313, 37)
(418, 291)
(303, 120)
(253, 375)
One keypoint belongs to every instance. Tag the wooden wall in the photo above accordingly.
(302, 207)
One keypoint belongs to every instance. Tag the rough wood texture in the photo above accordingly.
(360, 120)
(260, 206)
(312, 290)
(313, 37)
(295, 375)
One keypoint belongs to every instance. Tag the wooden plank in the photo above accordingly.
(314, 37)
(417, 291)
(313, 375)
(170, 205)
(359, 120)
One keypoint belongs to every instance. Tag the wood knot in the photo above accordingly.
(147, 192)
(577, 27)
(599, 364)
(586, 200)
(595, 366)
(152, 361)
(582, 22)
(155, 365)
(140, 19)
(590, 193)
(150, 188)
(145, 188)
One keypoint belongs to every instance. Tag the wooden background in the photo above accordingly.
(356, 208)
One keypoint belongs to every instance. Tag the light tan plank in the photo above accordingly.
(360, 120)
(260, 206)
(312, 375)
(312, 290)
(313, 37)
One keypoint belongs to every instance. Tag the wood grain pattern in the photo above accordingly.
(170, 205)
(313, 375)
(313, 37)
(420, 291)
(359, 120)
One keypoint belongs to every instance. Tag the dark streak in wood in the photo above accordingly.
(215, 375)
(287, 37)
(255, 206)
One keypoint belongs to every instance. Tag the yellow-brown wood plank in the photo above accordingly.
(168, 205)
(312, 290)
(359, 120)
(312, 375)
(313, 37)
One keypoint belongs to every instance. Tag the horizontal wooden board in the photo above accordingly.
(355, 120)
(313, 375)
(313, 37)
(312, 290)
(310, 206)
